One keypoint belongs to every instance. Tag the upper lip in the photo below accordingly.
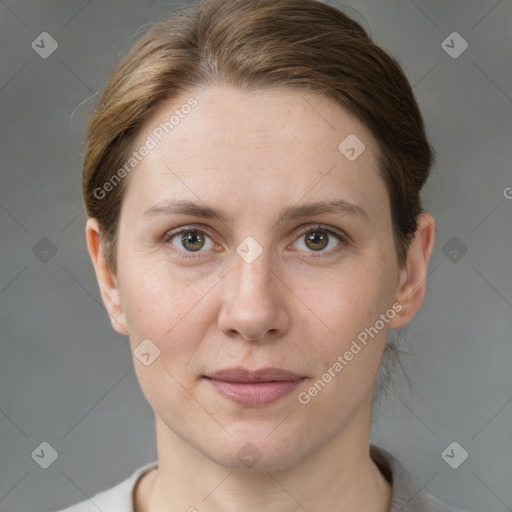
(240, 374)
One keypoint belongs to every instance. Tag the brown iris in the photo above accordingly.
(192, 240)
(318, 240)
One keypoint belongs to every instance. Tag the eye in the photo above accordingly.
(318, 238)
(189, 240)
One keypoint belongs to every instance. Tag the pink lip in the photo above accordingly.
(254, 388)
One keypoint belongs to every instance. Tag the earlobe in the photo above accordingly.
(413, 277)
(107, 280)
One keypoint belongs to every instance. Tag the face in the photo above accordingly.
(253, 277)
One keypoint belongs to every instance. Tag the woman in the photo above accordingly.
(252, 177)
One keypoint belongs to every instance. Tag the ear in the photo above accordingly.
(413, 277)
(107, 280)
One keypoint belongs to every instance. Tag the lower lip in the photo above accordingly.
(254, 394)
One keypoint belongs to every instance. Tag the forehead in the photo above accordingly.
(272, 144)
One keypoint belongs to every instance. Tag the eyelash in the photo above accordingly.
(343, 239)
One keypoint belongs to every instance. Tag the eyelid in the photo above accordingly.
(324, 227)
(183, 229)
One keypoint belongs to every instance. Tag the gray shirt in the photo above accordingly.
(407, 495)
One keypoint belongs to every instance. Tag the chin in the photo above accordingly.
(257, 451)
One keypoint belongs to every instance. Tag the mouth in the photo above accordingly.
(254, 388)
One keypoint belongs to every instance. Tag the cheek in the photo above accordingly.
(170, 311)
(348, 308)
(176, 320)
(348, 360)
(353, 299)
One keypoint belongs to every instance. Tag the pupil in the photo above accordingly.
(190, 238)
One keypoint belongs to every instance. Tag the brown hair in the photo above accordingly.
(257, 44)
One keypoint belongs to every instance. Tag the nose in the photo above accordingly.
(254, 305)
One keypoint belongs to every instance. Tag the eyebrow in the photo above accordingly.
(339, 207)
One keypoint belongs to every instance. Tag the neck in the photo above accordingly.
(338, 476)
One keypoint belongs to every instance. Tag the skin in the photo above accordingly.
(294, 307)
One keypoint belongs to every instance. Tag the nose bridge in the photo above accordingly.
(252, 275)
(252, 304)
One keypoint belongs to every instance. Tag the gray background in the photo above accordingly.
(67, 378)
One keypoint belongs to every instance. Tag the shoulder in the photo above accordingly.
(407, 495)
(116, 499)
